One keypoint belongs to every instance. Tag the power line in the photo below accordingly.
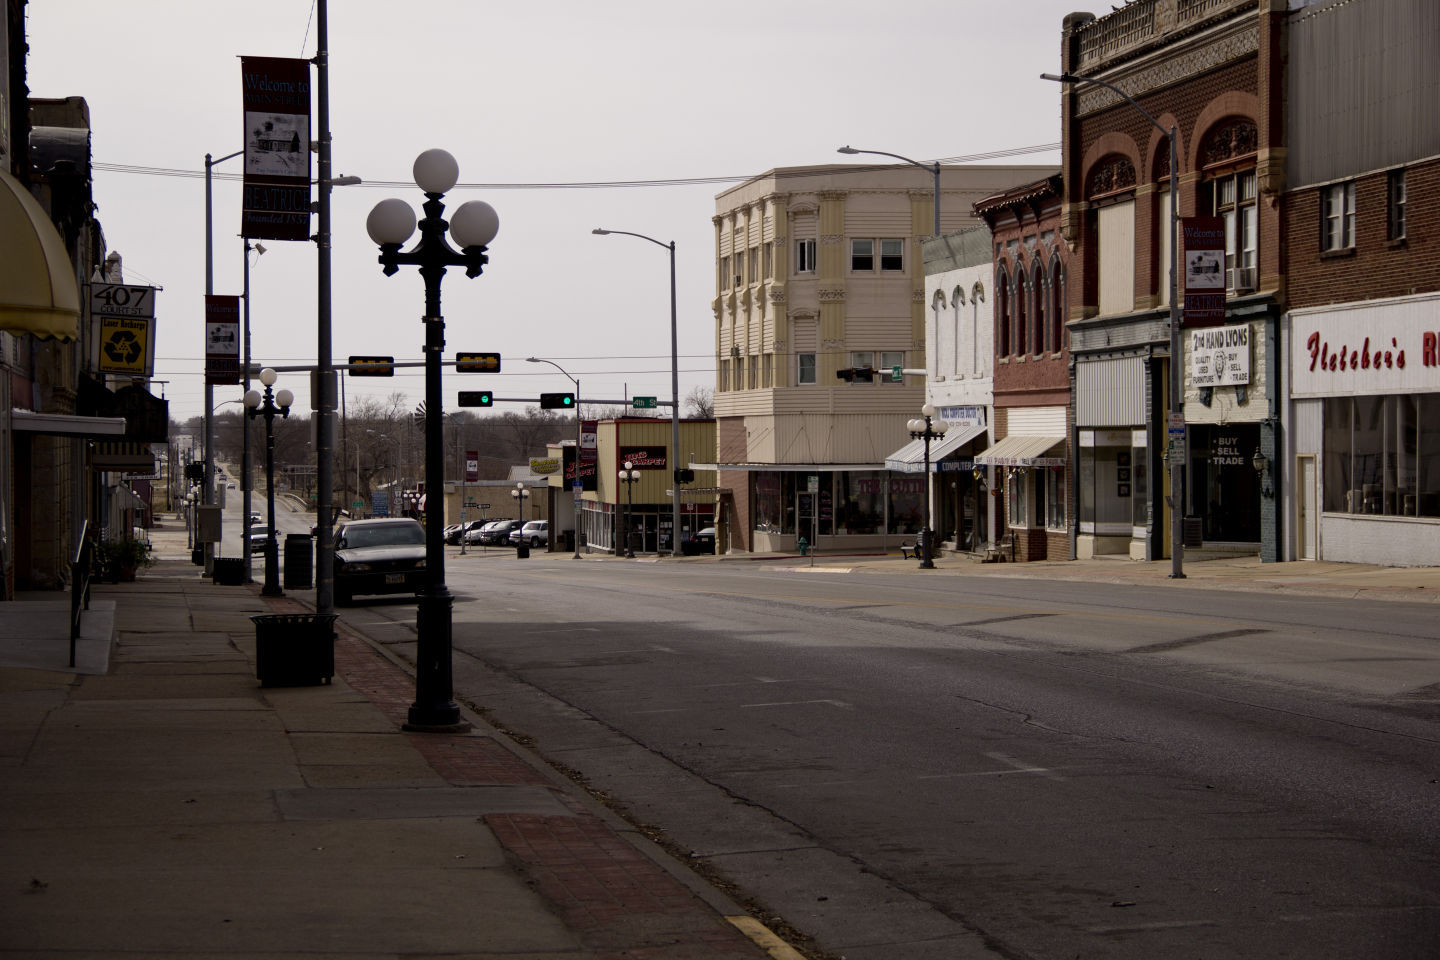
(153, 171)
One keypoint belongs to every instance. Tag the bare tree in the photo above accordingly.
(700, 403)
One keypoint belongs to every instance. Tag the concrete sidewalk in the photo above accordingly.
(164, 804)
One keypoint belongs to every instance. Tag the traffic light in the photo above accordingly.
(477, 363)
(476, 398)
(856, 374)
(372, 366)
(684, 475)
(557, 401)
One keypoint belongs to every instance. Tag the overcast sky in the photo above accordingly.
(526, 96)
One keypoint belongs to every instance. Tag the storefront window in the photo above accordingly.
(860, 498)
(907, 494)
(1227, 488)
(773, 496)
(1053, 502)
(1382, 455)
(1112, 483)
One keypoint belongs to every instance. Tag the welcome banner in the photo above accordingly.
(276, 204)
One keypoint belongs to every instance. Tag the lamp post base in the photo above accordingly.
(272, 570)
(434, 710)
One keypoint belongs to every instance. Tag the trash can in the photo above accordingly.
(294, 649)
(522, 550)
(228, 571)
(299, 561)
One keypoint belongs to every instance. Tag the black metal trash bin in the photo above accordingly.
(299, 561)
(522, 550)
(228, 571)
(294, 649)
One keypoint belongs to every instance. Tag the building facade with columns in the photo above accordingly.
(819, 271)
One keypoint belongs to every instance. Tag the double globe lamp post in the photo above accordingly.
(924, 428)
(472, 227)
(628, 476)
(269, 404)
(521, 495)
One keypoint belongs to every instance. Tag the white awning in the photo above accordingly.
(789, 467)
(911, 457)
(1023, 452)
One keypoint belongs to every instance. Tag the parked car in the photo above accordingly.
(535, 532)
(702, 542)
(498, 531)
(379, 556)
(457, 531)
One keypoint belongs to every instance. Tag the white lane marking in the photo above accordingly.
(1024, 767)
(797, 703)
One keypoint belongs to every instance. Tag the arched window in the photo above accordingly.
(1021, 310)
(977, 297)
(1038, 314)
(937, 332)
(957, 304)
(1002, 314)
(1058, 307)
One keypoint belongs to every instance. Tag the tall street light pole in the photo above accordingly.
(247, 475)
(1177, 398)
(472, 226)
(674, 391)
(268, 406)
(934, 169)
(575, 485)
(628, 476)
(207, 490)
(924, 428)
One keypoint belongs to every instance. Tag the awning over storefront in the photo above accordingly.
(38, 293)
(66, 424)
(911, 457)
(1023, 452)
(789, 467)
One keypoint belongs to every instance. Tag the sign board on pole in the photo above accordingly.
(276, 197)
(1204, 264)
(222, 340)
(644, 403)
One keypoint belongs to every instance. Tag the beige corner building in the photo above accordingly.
(819, 273)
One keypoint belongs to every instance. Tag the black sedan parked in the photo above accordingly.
(498, 532)
(379, 556)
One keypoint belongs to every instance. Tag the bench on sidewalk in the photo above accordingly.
(908, 551)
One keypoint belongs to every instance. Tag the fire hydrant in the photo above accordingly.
(804, 546)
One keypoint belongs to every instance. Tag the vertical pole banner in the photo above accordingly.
(1204, 245)
(222, 340)
(472, 466)
(276, 204)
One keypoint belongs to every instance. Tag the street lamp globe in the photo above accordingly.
(436, 171)
(252, 398)
(474, 224)
(267, 377)
(390, 222)
(284, 398)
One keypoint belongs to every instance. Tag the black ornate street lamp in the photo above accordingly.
(628, 476)
(472, 226)
(267, 406)
(521, 495)
(924, 428)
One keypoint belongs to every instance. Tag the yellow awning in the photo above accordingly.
(38, 293)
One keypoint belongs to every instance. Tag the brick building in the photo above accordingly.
(1360, 472)
(1032, 370)
(1210, 70)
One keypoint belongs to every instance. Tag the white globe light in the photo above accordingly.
(916, 426)
(267, 377)
(284, 398)
(927, 410)
(474, 224)
(252, 398)
(943, 425)
(436, 171)
(391, 221)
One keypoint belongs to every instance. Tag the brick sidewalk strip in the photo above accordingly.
(622, 904)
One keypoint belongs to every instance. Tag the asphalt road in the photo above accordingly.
(919, 766)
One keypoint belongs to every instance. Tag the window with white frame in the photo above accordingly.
(768, 266)
(722, 280)
(754, 275)
(1233, 201)
(805, 368)
(889, 360)
(1054, 505)
(861, 359)
(892, 255)
(1395, 205)
(862, 255)
(1337, 216)
(804, 256)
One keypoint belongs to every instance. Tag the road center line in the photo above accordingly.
(796, 703)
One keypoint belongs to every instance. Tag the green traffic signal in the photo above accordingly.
(476, 398)
(557, 401)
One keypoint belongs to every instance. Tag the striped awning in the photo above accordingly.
(38, 293)
(1024, 452)
(911, 457)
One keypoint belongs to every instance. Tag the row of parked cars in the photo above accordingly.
(532, 533)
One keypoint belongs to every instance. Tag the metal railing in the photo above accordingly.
(80, 570)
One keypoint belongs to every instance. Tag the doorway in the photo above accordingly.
(1306, 515)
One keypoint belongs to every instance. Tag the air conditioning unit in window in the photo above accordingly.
(737, 279)
(1243, 279)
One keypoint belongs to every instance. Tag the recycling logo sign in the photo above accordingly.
(125, 346)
